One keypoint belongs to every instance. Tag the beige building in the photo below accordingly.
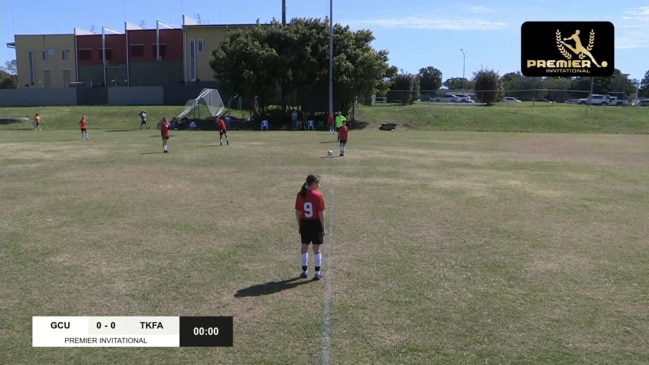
(200, 41)
(64, 60)
(45, 60)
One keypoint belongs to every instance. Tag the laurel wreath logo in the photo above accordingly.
(591, 40)
(563, 51)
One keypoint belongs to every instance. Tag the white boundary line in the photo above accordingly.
(326, 315)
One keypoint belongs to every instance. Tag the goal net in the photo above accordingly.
(207, 104)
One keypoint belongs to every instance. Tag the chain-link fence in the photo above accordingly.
(553, 95)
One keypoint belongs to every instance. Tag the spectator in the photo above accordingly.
(294, 119)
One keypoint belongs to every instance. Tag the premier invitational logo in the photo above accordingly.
(567, 49)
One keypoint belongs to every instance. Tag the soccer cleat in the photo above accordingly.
(341, 155)
(318, 275)
(304, 274)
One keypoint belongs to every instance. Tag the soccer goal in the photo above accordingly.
(207, 104)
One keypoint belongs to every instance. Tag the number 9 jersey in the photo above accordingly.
(310, 205)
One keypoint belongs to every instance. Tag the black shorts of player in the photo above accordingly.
(343, 141)
(222, 132)
(83, 129)
(311, 232)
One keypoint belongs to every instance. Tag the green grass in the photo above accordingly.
(502, 117)
(449, 247)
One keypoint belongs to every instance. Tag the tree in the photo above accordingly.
(644, 87)
(10, 67)
(458, 83)
(488, 86)
(265, 58)
(513, 81)
(408, 87)
(558, 88)
(430, 78)
(246, 63)
(619, 83)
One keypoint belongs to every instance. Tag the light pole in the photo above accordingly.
(331, 56)
(463, 65)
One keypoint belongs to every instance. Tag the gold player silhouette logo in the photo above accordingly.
(577, 47)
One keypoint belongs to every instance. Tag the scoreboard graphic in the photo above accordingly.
(188, 331)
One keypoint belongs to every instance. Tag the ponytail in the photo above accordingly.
(305, 187)
(307, 184)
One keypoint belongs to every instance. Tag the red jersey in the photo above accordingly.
(310, 205)
(220, 124)
(330, 120)
(164, 130)
(82, 123)
(343, 132)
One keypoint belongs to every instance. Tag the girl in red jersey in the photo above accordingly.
(330, 123)
(164, 131)
(223, 130)
(83, 125)
(343, 134)
(309, 212)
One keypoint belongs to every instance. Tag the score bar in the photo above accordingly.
(133, 331)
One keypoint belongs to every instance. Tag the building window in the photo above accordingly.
(137, 50)
(109, 54)
(64, 55)
(44, 55)
(163, 50)
(200, 45)
(85, 54)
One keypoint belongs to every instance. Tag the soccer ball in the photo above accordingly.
(330, 153)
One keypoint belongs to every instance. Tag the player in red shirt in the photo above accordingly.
(83, 124)
(343, 134)
(223, 130)
(164, 131)
(330, 123)
(309, 212)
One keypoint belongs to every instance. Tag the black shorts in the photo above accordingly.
(311, 231)
(222, 132)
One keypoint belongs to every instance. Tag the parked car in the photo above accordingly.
(448, 98)
(463, 98)
(572, 101)
(510, 99)
(640, 101)
(598, 99)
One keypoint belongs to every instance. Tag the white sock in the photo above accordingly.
(317, 259)
(305, 259)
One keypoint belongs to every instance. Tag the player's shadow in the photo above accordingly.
(270, 287)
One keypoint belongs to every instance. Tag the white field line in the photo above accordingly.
(331, 237)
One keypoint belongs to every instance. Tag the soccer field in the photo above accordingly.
(440, 247)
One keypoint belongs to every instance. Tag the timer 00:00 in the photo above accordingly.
(209, 331)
